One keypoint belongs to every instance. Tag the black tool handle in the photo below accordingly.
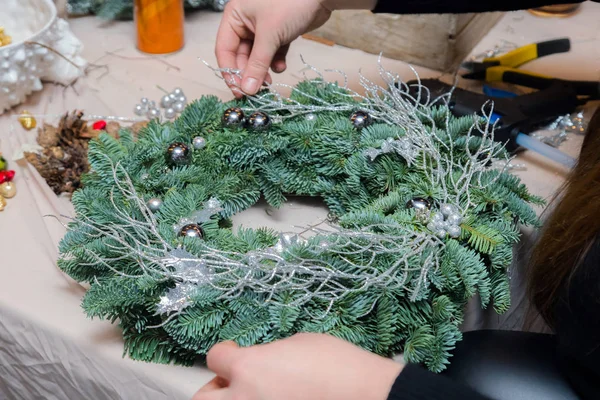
(518, 114)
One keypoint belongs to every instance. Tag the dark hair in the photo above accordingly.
(570, 229)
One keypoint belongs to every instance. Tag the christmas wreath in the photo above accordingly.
(422, 219)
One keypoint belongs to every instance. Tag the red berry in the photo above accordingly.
(9, 175)
(99, 125)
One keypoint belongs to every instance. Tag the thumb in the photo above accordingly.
(263, 51)
(220, 358)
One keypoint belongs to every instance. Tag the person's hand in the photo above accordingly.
(305, 366)
(255, 34)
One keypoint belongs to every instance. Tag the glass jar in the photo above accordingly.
(160, 25)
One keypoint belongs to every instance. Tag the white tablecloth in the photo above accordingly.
(48, 348)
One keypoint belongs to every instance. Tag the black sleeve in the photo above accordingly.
(415, 383)
(458, 6)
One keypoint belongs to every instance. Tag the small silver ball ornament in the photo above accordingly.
(144, 101)
(178, 107)
(166, 101)
(199, 142)
(454, 231)
(139, 110)
(154, 204)
(153, 113)
(447, 209)
(170, 113)
(182, 99)
(178, 92)
(454, 219)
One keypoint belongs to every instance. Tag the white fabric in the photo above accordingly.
(48, 348)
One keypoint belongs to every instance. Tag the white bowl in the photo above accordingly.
(24, 64)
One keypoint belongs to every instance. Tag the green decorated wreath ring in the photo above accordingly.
(422, 221)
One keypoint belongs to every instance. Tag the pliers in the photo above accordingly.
(504, 69)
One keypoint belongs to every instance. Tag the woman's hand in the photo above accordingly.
(305, 366)
(255, 34)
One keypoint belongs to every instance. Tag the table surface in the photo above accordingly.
(40, 316)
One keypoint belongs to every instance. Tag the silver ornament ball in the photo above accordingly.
(441, 233)
(454, 219)
(178, 92)
(182, 99)
(170, 113)
(447, 209)
(419, 204)
(199, 142)
(179, 107)
(139, 110)
(153, 113)
(144, 101)
(166, 101)
(437, 217)
(454, 231)
(154, 204)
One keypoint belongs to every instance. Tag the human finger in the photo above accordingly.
(220, 358)
(279, 65)
(263, 50)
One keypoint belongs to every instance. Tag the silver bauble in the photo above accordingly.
(447, 209)
(166, 101)
(178, 107)
(170, 113)
(199, 142)
(139, 110)
(454, 231)
(454, 219)
(154, 204)
(153, 113)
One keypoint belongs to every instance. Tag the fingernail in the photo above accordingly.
(250, 85)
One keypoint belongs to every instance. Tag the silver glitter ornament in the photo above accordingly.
(447, 209)
(144, 101)
(454, 219)
(153, 113)
(178, 154)
(139, 110)
(166, 101)
(154, 204)
(360, 119)
(178, 92)
(199, 142)
(192, 230)
(259, 121)
(178, 107)
(233, 117)
(181, 99)
(454, 231)
(173, 97)
(170, 113)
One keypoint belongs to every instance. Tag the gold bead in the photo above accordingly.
(2, 203)
(8, 190)
(27, 120)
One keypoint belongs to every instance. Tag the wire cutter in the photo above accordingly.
(503, 68)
